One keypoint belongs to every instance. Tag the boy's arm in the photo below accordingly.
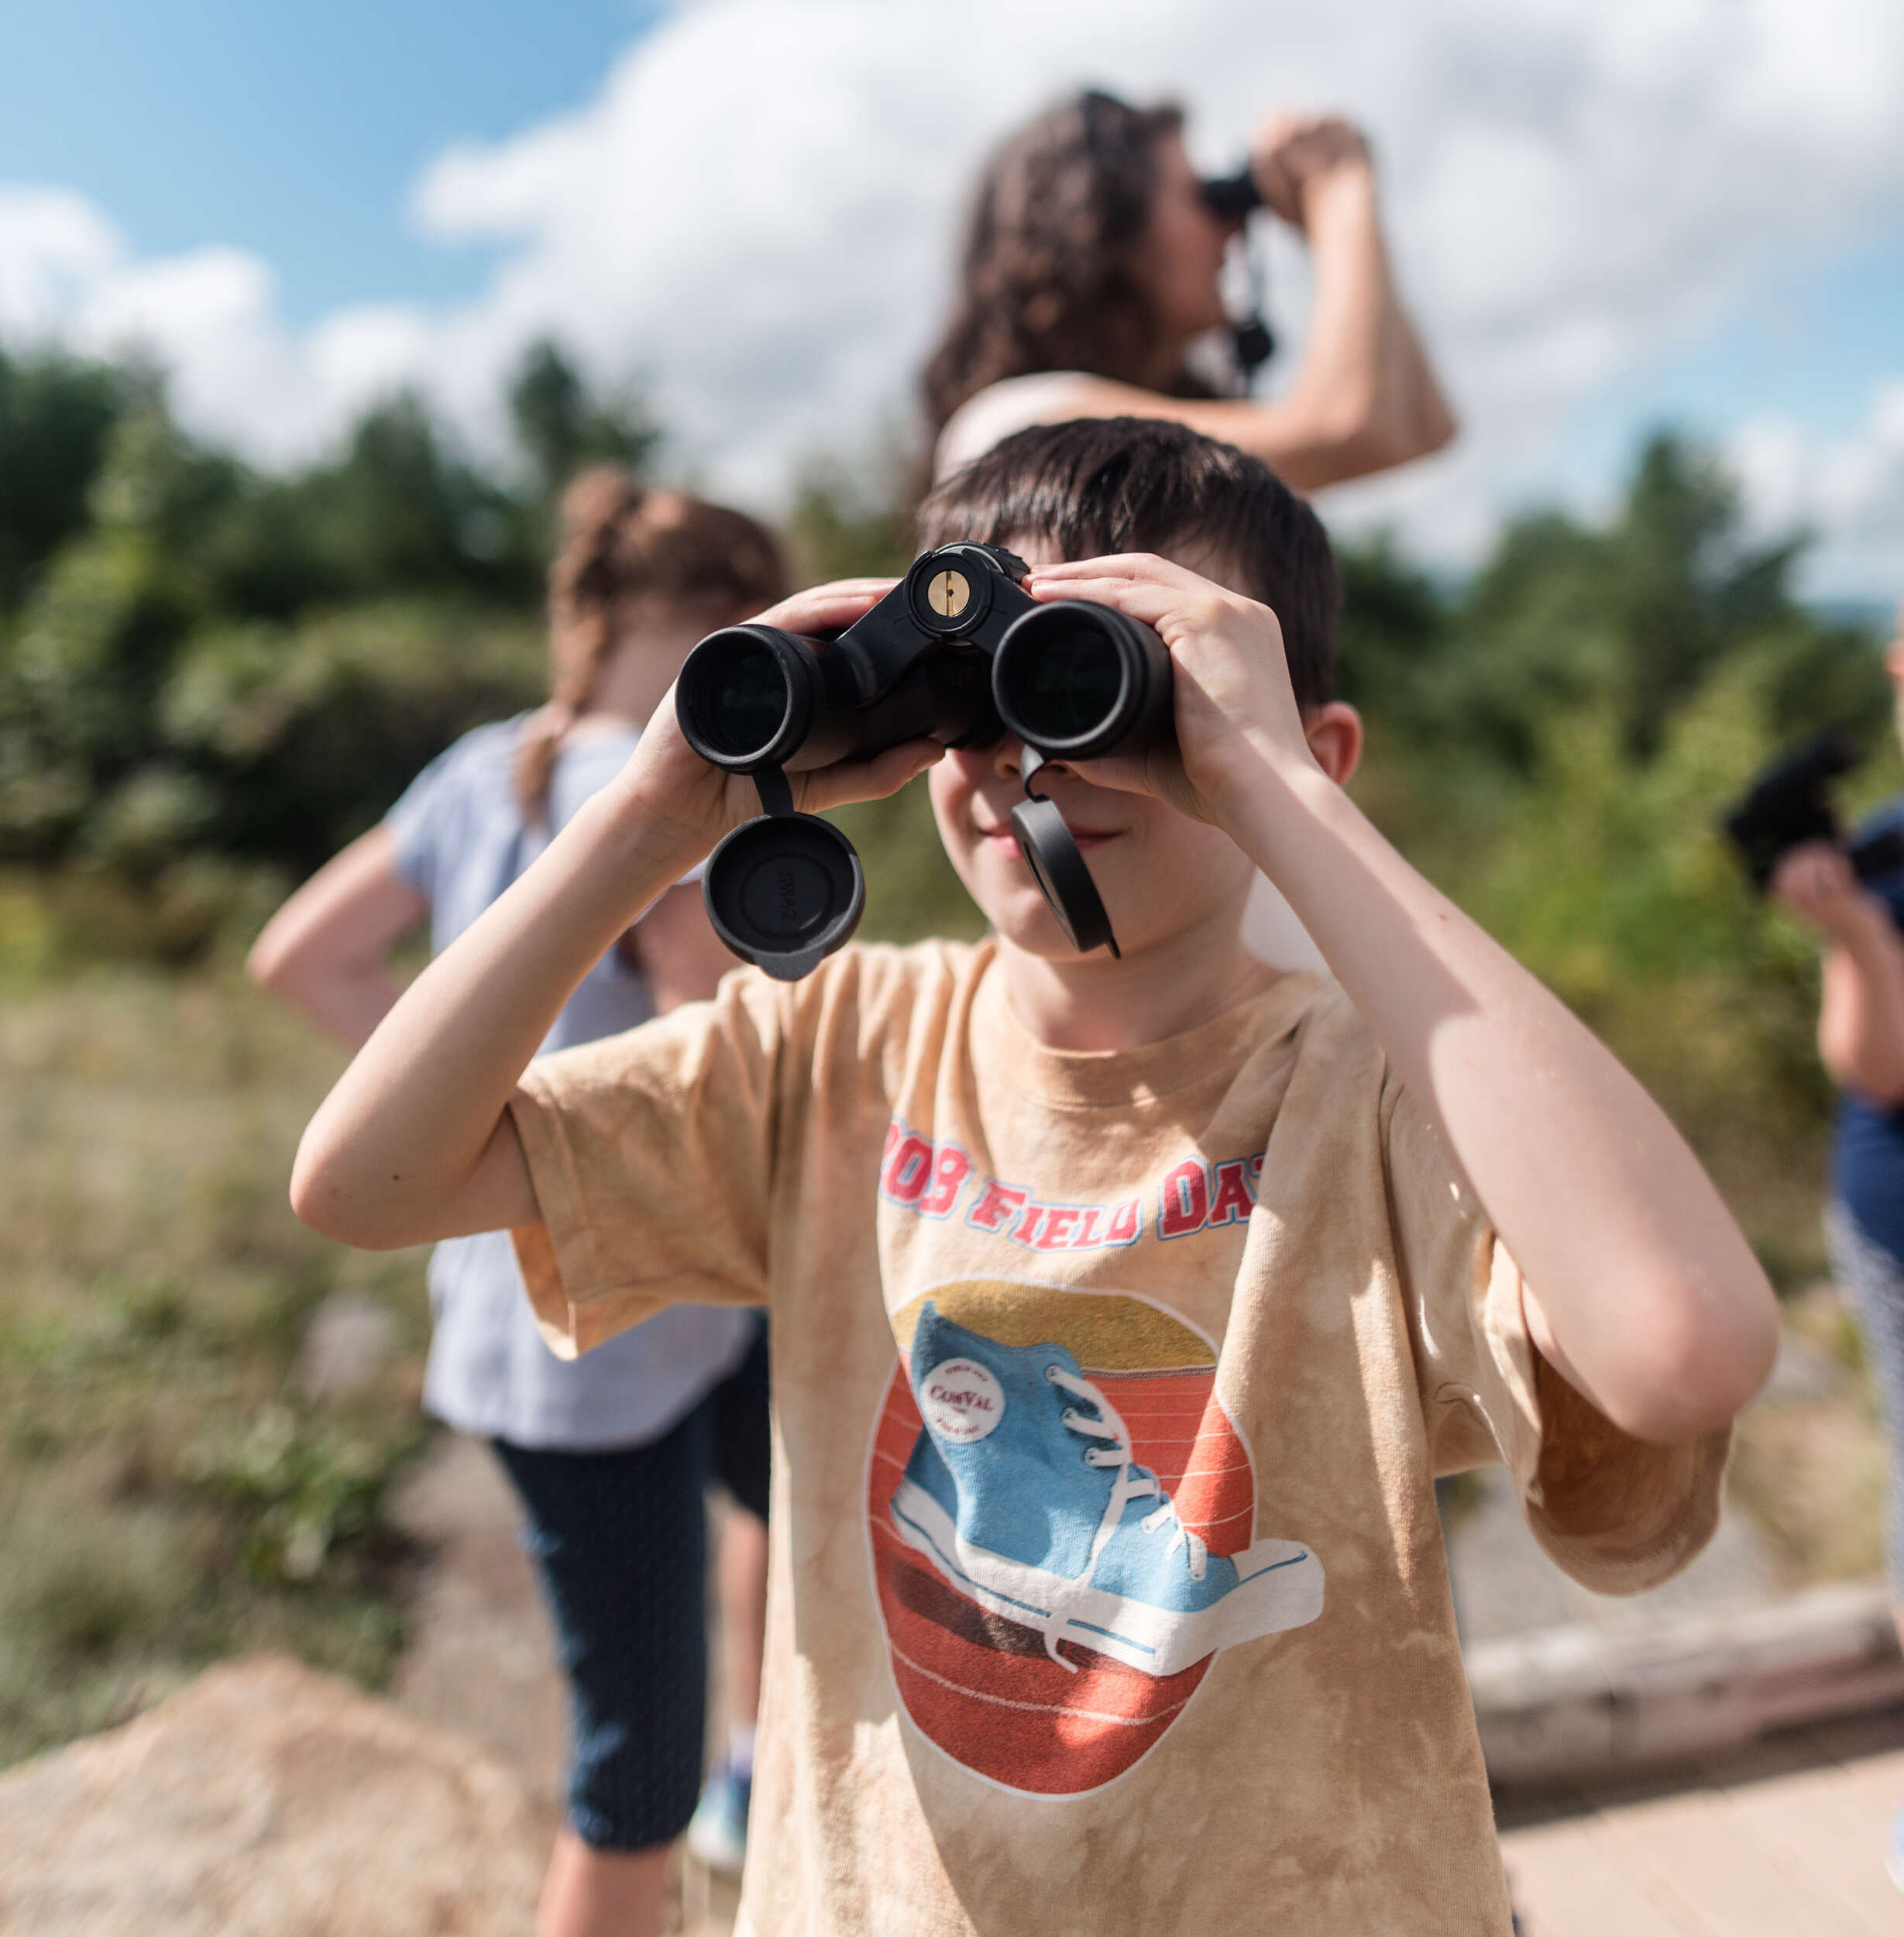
(416, 1142)
(1649, 1299)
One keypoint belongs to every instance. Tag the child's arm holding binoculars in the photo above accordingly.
(416, 1143)
(1649, 1299)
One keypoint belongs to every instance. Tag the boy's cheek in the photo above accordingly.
(950, 794)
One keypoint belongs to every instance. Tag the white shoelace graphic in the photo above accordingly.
(1133, 1482)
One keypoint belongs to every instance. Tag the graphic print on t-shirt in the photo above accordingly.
(1061, 1512)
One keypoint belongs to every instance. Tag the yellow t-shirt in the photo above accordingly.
(1106, 1587)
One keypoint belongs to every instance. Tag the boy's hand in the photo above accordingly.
(1234, 705)
(673, 786)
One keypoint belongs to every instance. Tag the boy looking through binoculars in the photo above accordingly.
(1124, 1308)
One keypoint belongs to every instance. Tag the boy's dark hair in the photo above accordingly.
(1108, 484)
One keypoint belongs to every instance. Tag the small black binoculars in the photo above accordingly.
(1232, 198)
(1789, 803)
(958, 651)
(1235, 198)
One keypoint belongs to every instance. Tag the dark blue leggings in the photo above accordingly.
(620, 1540)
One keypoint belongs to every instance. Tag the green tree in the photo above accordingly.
(849, 518)
(561, 427)
(397, 512)
(55, 415)
(93, 643)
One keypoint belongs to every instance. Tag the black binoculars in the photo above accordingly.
(1789, 803)
(958, 651)
(1231, 198)
(1235, 198)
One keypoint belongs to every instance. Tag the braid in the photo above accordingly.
(582, 589)
(620, 541)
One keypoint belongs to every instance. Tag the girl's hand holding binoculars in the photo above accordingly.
(1293, 154)
(676, 788)
(1235, 706)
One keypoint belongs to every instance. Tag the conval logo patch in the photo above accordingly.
(961, 1401)
(1063, 1521)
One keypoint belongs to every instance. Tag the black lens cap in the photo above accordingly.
(1053, 857)
(783, 891)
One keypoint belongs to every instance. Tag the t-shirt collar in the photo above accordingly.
(1100, 1078)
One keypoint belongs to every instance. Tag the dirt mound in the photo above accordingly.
(268, 1801)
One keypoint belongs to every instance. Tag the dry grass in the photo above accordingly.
(165, 1496)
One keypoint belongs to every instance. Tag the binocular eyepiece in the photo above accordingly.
(957, 653)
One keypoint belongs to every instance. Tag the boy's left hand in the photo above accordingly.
(1236, 708)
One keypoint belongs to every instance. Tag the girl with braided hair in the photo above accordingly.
(609, 1455)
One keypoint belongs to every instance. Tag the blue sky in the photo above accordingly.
(748, 204)
(1808, 338)
(294, 132)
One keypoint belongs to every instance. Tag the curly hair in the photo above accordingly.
(621, 541)
(1044, 278)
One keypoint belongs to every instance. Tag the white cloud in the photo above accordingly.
(1849, 490)
(756, 211)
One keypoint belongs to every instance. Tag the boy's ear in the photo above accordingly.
(1334, 732)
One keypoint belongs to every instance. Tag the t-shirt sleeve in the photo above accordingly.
(1618, 1514)
(418, 823)
(652, 1153)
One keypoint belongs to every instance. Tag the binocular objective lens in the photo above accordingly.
(1072, 684)
(749, 700)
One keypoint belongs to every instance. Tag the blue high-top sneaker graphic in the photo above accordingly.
(1024, 1493)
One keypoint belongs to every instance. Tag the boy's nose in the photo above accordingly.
(1008, 759)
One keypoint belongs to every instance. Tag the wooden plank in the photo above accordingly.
(1577, 1700)
(1563, 1884)
(1705, 1854)
(1831, 1827)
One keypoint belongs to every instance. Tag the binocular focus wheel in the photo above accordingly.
(1058, 869)
(784, 891)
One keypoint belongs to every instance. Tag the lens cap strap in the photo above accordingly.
(776, 797)
(1255, 341)
(1051, 853)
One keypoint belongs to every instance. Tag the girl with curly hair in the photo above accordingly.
(1092, 266)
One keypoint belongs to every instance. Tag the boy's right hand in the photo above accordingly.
(673, 787)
